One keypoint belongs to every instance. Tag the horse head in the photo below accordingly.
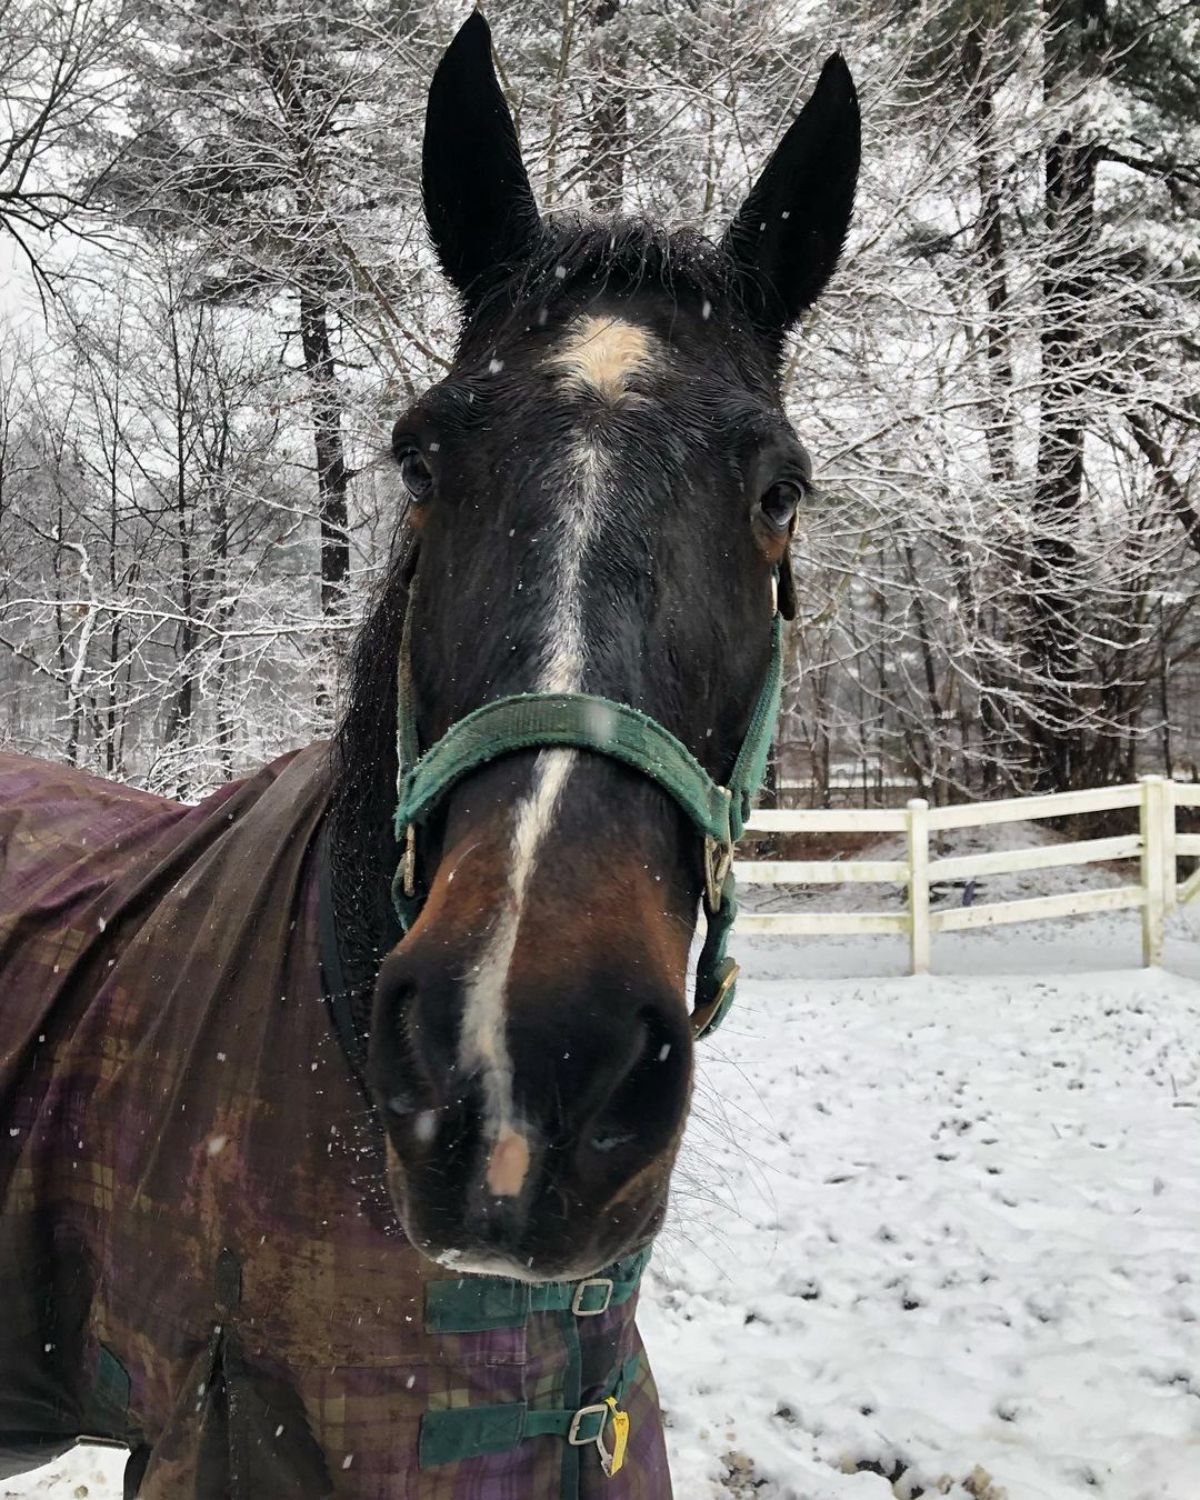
(601, 494)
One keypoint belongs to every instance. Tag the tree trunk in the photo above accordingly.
(179, 720)
(179, 727)
(1164, 694)
(223, 708)
(1056, 731)
(608, 117)
(332, 475)
(1001, 745)
(990, 249)
(113, 760)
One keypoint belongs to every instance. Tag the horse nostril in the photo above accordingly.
(413, 1043)
(645, 1105)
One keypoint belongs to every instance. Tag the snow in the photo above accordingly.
(948, 1226)
(944, 1230)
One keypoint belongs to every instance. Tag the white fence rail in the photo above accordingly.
(1156, 846)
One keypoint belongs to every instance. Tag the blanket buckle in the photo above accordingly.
(600, 1282)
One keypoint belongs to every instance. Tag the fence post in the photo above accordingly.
(1154, 903)
(1169, 819)
(918, 884)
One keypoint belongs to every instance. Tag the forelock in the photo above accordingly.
(577, 258)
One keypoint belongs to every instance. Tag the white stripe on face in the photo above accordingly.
(483, 1046)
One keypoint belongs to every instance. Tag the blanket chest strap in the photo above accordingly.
(470, 1431)
(477, 1304)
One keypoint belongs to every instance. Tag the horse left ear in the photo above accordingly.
(788, 235)
(478, 203)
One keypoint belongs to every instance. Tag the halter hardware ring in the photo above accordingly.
(718, 861)
(409, 866)
(730, 979)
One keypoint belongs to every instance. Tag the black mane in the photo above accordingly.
(574, 253)
(362, 848)
(576, 259)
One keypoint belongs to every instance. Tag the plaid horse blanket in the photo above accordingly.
(196, 1253)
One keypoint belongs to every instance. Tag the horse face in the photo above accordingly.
(603, 489)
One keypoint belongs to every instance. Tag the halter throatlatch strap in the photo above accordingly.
(582, 721)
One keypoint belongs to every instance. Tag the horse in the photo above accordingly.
(339, 1110)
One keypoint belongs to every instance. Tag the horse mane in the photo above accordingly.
(363, 851)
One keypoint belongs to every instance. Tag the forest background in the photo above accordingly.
(219, 296)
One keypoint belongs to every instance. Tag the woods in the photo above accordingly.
(220, 296)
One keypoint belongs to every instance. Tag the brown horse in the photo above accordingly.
(407, 1265)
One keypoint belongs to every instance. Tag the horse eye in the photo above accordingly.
(778, 504)
(415, 474)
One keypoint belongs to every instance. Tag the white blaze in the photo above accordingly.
(484, 1042)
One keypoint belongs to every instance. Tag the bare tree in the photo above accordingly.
(62, 80)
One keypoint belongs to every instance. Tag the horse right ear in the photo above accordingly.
(478, 202)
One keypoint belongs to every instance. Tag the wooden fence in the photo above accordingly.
(1156, 846)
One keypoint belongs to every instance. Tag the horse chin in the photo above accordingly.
(467, 1259)
(478, 1263)
(484, 1263)
(458, 1254)
(464, 1263)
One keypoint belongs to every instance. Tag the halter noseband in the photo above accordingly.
(583, 721)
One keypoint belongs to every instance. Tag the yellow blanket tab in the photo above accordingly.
(619, 1425)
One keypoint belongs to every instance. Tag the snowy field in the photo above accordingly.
(936, 1235)
(943, 1230)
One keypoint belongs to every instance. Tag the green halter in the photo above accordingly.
(582, 721)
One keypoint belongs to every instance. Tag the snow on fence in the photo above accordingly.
(1156, 846)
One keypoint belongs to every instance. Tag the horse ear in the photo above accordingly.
(478, 202)
(787, 236)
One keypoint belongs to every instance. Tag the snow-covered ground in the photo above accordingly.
(948, 1227)
(942, 1230)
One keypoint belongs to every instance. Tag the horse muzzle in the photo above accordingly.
(545, 1150)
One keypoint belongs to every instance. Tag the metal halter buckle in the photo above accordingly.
(727, 983)
(573, 1437)
(577, 1306)
(409, 866)
(718, 861)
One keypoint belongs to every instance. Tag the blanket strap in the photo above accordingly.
(477, 1304)
(468, 1432)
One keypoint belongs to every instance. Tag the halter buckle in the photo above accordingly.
(409, 865)
(718, 861)
(719, 1004)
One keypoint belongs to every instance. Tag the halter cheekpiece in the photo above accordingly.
(584, 721)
